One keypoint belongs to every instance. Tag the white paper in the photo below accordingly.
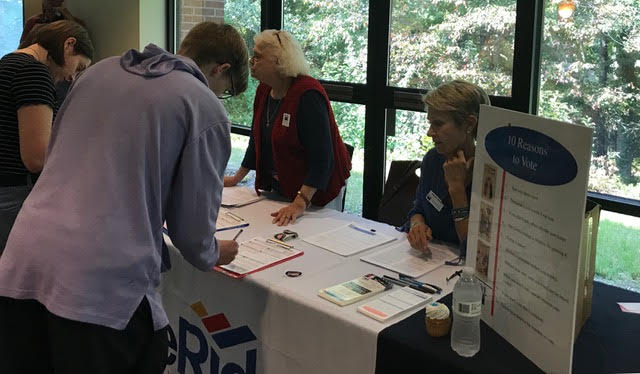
(403, 259)
(239, 196)
(258, 253)
(630, 307)
(229, 220)
(394, 303)
(349, 239)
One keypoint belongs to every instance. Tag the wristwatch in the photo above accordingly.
(307, 202)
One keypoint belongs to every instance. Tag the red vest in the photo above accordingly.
(288, 152)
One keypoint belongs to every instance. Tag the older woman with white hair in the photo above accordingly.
(295, 147)
(441, 208)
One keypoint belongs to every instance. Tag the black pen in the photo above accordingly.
(413, 280)
(238, 234)
(404, 283)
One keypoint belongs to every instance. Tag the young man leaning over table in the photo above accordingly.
(141, 139)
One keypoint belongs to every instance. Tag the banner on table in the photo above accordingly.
(527, 211)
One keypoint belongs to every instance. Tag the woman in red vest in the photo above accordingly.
(295, 147)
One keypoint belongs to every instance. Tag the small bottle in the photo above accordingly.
(466, 307)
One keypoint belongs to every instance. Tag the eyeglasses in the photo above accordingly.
(229, 93)
(277, 34)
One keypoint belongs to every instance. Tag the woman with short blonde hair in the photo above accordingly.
(441, 207)
(295, 146)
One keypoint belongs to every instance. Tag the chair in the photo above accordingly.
(399, 192)
(344, 196)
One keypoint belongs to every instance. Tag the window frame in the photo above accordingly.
(381, 100)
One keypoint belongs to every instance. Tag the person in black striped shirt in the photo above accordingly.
(59, 51)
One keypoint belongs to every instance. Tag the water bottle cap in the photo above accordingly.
(468, 270)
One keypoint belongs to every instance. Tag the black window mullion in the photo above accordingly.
(271, 14)
(378, 100)
(526, 56)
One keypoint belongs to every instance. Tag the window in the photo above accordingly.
(244, 15)
(333, 36)
(410, 140)
(350, 120)
(590, 65)
(11, 25)
(432, 42)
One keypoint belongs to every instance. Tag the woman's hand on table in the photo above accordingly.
(228, 250)
(288, 214)
(419, 236)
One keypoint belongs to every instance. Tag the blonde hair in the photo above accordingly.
(458, 97)
(286, 49)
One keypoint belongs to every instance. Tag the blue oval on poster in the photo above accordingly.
(531, 155)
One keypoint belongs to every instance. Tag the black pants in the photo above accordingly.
(32, 340)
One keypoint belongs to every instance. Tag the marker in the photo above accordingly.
(238, 234)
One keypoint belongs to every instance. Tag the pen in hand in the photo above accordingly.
(238, 234)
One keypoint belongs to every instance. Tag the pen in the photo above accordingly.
(417, 282)
(408, 284)
(235, 217)
(365, 231)
(279, 243)
(238, 234)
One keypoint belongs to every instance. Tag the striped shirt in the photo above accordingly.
(23, 81)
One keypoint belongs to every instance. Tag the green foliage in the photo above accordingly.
(589, 66)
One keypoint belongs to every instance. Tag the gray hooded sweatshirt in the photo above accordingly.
(139, 140)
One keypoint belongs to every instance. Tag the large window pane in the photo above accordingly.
(11, 25)
(410, 141)
(589, 75)
(618, 253)
(333, 35)
(244, 15)
(433, 42)
(350, 119)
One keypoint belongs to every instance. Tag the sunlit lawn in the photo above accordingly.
(618, 253)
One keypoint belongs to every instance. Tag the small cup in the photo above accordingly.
(438, 327)
(437, 319)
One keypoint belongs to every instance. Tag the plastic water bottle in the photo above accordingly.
(467, 304)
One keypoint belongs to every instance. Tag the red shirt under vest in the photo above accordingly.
(288, 152)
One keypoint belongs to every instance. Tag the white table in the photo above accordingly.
(276, 324)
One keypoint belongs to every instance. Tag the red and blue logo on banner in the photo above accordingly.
(223, 337)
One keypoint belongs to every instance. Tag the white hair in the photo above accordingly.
(286, 49)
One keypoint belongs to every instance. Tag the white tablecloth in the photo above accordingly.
(276, 324)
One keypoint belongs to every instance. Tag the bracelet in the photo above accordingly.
(307, 202)
(459, 214)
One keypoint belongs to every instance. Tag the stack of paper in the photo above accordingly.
(239, 196)
(349, 239)
(403, 259)
(394, 303)
(228, 220)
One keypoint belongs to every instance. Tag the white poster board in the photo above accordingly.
(527, 210)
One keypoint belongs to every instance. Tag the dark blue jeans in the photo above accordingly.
(11, 199)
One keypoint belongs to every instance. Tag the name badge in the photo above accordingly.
(435, 201)
(285, 119)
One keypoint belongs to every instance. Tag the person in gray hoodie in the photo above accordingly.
(141, 139)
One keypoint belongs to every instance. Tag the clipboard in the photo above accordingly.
(228, 269)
